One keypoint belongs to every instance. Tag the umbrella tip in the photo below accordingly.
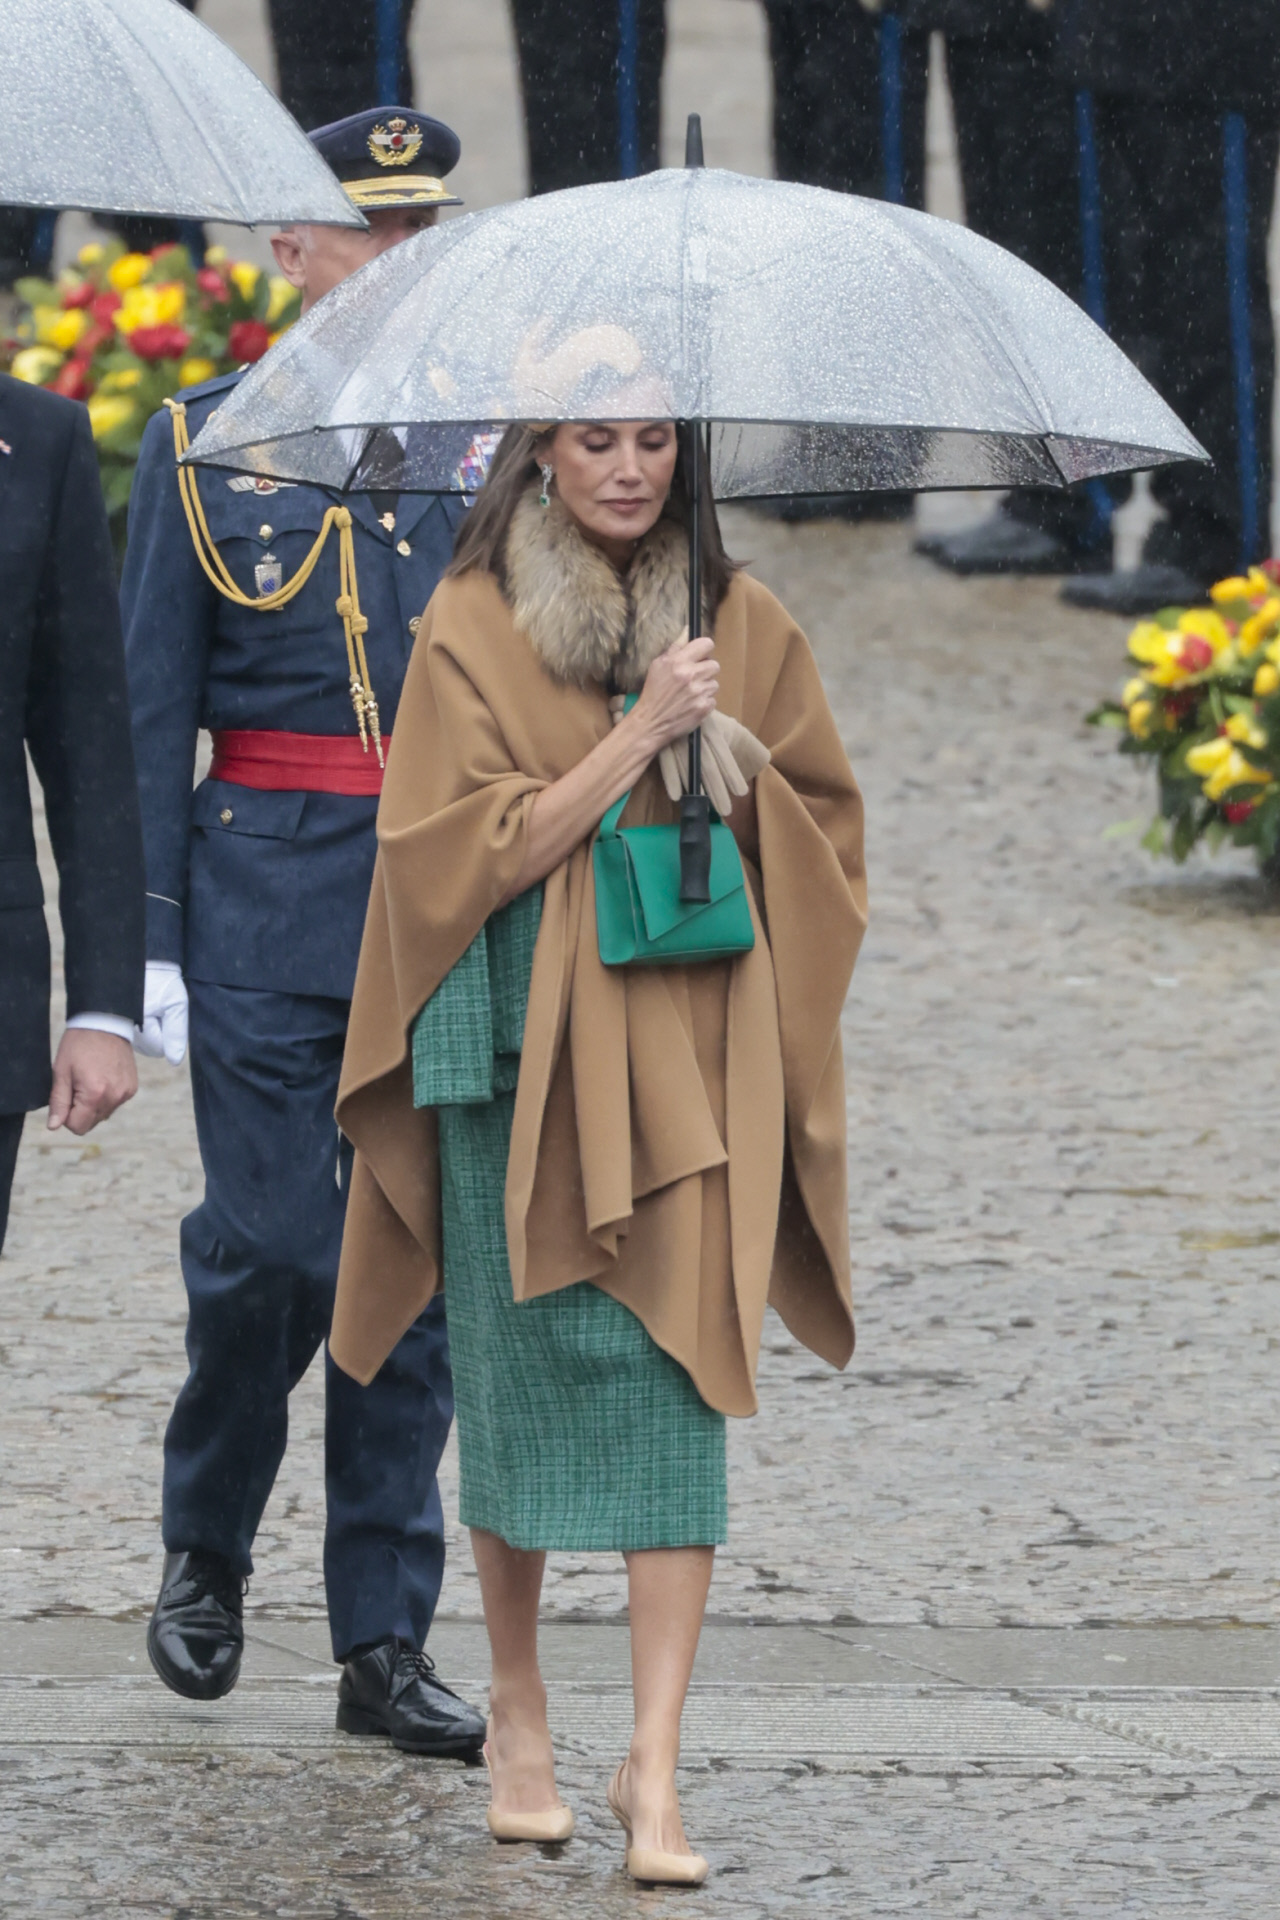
(693, 142)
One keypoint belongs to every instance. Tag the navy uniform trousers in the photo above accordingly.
(260, 896)
(260, 1261)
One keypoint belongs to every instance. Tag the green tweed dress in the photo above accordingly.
(575, 1431)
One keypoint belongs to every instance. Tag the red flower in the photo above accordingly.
(247, 340)
(1272, 570)
(104, 305)
(160, 343)
(1237, 810)
(210, 281)
(1195, 654)
(72, 380)
(79, 296)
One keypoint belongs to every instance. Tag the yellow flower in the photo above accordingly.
(35, 365)
(160, 306)
(279, 295)
(1265, 680)
(1243, 728)
(1139, 716)
(1134, 689)
(1234, 771)
(1206, 625)
(245, 277)
(1259, 626)
(58, 327)
(1148, 642)
(1209, 755)
(107, 412)
(215, 257)
(193, 372)
(90, 253)
(128, 271)
(121, 381)
(1236, 588)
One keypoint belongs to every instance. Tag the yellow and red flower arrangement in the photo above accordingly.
(1205, 705)
(121, 330)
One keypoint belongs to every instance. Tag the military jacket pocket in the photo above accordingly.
(219, 806)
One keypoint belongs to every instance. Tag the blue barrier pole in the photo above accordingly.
(1093, 289)
(628, 89)
(386, 56)
(1235, 192)
(42, 242)
(891, 107)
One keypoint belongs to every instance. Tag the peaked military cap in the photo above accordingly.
(391, 157)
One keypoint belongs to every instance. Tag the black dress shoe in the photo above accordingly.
(196, 1634)
(392, 1690)
(1140, 590)
(1002, 545)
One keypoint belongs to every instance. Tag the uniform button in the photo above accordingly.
(403, 549)
(265, 532)
(415, 623)
(226, 816)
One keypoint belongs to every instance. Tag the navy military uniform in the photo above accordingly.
(257, 887)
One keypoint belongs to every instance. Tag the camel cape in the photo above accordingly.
(679, 1133)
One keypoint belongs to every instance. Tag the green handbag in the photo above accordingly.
(641, 921)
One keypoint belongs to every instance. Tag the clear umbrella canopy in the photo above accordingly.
(132, 106)
(833, 344)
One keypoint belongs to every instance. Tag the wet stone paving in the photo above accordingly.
(995, 1630)
(995, 1633)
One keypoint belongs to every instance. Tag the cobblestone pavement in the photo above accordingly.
(1060, 1416)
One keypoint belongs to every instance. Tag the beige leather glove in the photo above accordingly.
(731, 759)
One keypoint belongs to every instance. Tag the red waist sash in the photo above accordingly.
(297, 762)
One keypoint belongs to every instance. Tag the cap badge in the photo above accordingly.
(396, 144)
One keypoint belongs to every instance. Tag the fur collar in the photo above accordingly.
(587, 623)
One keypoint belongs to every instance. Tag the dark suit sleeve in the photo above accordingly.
(168, 608)
(78, 732)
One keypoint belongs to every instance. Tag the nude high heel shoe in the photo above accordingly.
(651, 1864)
(552, 1825)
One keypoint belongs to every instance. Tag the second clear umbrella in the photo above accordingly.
(133, 106)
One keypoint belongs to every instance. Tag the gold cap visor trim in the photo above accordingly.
(404, 190)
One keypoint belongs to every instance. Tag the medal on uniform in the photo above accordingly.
(268, 576)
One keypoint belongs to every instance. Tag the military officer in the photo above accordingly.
(257, 883)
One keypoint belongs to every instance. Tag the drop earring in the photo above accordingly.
(548, 475)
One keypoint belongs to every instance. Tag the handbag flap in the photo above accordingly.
(653, 857)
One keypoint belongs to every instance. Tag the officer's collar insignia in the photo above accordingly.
(255, 483)
(396, 143)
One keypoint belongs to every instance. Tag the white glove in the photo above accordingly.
(164, 1014)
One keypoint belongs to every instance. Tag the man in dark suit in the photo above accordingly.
(62, 674)
(258, 884)
(1185, 102)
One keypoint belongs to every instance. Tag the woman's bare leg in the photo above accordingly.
(520, 1753)
(668, 1592)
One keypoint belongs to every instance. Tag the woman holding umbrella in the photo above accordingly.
(611, 1168)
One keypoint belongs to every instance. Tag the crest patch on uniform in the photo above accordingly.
(396, 144)
(255, 483)
(268, 576)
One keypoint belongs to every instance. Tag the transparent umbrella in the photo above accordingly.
(811, 342)
(132, 106)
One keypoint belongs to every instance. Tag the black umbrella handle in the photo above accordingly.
(695, 808)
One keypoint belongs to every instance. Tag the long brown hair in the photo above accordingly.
(482, 535)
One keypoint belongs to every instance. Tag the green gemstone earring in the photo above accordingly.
(548, 474)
